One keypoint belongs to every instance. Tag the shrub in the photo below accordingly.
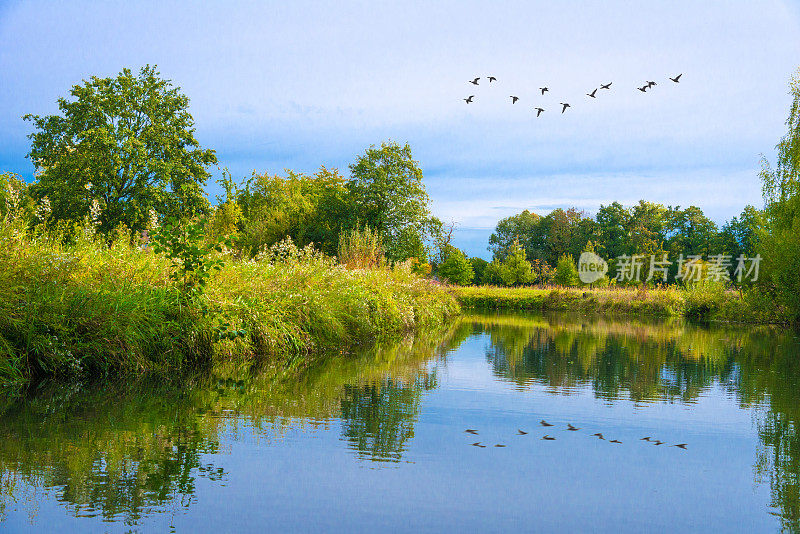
(566, 274)
(478, 267)
(457, 269)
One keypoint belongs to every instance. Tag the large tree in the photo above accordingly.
(127, 142)
(387, 194)
(780, 245)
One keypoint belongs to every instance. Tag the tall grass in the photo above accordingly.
(361, 248)
(705, 301)
(89, 308)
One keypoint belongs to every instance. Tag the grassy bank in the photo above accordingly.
(701, 302)
(91, 309)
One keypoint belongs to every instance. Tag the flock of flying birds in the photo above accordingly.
(565, 105)
(547, 437)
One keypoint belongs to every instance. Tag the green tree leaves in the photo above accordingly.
(387, 193)
(126, 141)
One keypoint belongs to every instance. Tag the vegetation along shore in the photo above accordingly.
(112, 259)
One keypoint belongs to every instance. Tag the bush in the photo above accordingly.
(478, 267)
(566, 273)
(456, 269)
(703, 298)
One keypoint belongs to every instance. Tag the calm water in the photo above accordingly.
(376, 441)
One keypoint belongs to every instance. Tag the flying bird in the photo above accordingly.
(548, 438)
(658, 442)
(570, 427)
(592, 93)
(514, 99)
(606, 86)
(615, 441)
(469, 100)
(521, 432)
(681, 445)
(492, 79)
(650, 84)
(677, 78)
(643, 88)
(478, 444)
(499, 445)
(543, 89)
(544, 423)
(475, 81)
(645, 439)
(599, 435)
(471, 431)
(538, 111)
(565, 106)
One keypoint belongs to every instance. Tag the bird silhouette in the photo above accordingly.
(592, 93)
(650, 84)
(565, 106)
(471, 431)
(521, 432)
(544, 423)
(543, 89)
(658, 442)
(538, 111)
(468, 100)
(643, 88)
(514, 99)
(677, 78)
(570, 427)
(606, 86)
(475, 81)
(615, 441)
(599, 435)
(478, 444)
(492, 79)
(499, 445)
(681, 445)
(645, 439)
(548, 438)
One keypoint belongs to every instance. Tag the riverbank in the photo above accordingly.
(705, 303)
(93, 310)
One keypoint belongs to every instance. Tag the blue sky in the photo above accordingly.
(277, 85)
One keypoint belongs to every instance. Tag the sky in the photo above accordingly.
(296, 85)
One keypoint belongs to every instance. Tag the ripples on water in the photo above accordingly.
(376, 441)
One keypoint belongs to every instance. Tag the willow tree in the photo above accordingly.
(126, 143)
(780, 247)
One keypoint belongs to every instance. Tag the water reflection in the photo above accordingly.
(123, 452)
(665, 361)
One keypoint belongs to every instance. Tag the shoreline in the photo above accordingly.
(726, 306)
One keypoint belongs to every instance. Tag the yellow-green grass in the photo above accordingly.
(701, 302)
(89, 309)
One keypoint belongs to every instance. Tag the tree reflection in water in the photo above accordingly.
(124, 451)
(665, 361)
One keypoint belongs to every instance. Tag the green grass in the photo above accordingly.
(706, 302)
(92, 310)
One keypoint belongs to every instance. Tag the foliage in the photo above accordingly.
(88, 308)
(478, 267)
(127, 142)
(184, 246)
(566, 273)
(456, 269)
(780, 245)
(361, 249)
(387, 193)
(309, 209)
(519, 271)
